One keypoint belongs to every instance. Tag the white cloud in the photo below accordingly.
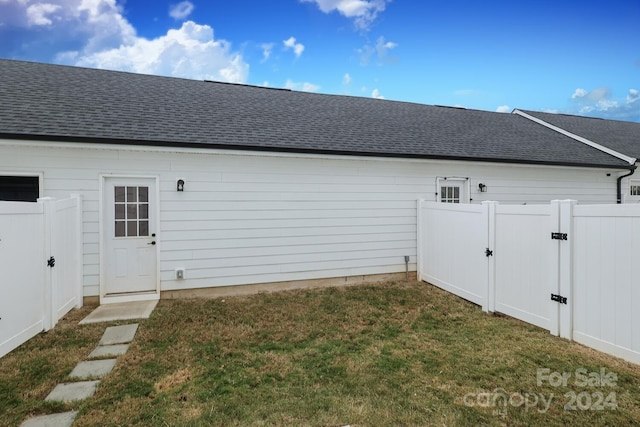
(304, 87)
(346, 80)
(376, 94)
(181, 10)
(190, 52)
(363, 12)
(297, 48)
(380, 50)
(503, 109)
(37, 14)
(267, 48)
(103, 38)
(579, 93)
(382, 46)
(92, 23)
(600, 102)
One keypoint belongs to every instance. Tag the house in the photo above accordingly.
(193, 187)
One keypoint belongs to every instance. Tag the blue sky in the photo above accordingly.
(572, 57)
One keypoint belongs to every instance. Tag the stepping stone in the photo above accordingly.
(109, 350)
(119, 334)
(72, 391)
(93, 368)
(64, 419)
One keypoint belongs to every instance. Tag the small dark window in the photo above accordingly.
(19, 188)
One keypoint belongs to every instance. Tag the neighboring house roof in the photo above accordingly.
(53, 102)
(623, 137)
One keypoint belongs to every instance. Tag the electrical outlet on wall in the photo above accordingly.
(179, 273)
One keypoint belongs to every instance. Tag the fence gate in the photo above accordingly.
(522, 263)
(41, 265)
(22, 263)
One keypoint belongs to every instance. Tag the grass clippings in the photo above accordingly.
(369, 355)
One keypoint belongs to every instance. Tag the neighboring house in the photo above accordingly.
(191, 185)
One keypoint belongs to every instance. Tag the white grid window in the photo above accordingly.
(450, 194)
(131, 211)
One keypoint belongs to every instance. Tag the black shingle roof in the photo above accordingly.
(54, 102)
(623, 137)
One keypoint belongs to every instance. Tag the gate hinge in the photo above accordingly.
(559, 298)
(51, 262)
(488, 252)
(558, 236)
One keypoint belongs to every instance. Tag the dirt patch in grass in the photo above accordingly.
(173, 381)
(384, 354)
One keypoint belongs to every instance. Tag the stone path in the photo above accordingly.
(114, 342)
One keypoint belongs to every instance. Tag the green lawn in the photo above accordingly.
(384, 354)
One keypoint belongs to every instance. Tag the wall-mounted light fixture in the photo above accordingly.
(482, 187)
(180, 185)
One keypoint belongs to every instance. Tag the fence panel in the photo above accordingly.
(67, 250)
(22, 263)
(606, 287)
(523, 270)
(452, 244)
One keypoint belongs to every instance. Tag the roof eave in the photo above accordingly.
(266, 149)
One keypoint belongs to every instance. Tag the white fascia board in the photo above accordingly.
(586, 141)
(191, 150)
(35, 143)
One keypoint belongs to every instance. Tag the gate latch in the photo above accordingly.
(559, 298)
(51, 262)
(488, 252)
(558, 236)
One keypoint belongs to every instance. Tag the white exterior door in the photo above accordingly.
(129, 239)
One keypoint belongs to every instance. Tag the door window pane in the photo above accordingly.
(132, 228)
(132, 194)
(120, 229)
(144, 211)
(119, 194)
(119, 211)
(132, 211)
(144, 228)
(143, 194)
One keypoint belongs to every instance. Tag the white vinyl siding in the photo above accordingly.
(247, 218)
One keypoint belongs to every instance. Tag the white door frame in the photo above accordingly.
(146, 296)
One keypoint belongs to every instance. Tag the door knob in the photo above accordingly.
(152, 243)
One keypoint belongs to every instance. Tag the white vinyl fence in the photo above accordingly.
(564, 267)
(40, 266)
